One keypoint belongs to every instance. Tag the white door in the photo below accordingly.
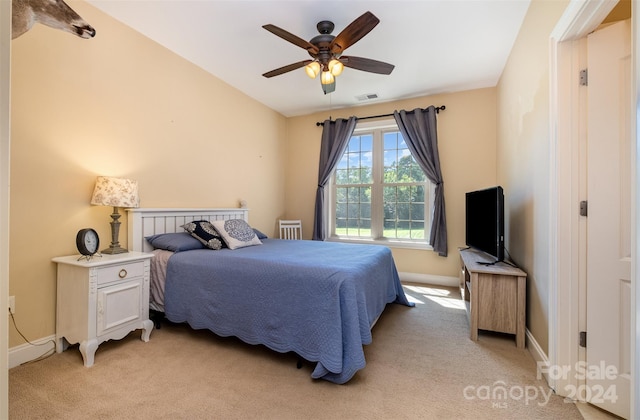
(607, 370)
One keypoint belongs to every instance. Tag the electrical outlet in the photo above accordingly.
(12, 304)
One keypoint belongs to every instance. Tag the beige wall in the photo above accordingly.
(121, 105)
(523, 157)
(467, 145)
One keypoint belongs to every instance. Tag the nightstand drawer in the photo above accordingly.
(120, 272)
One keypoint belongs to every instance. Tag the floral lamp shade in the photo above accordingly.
(116, 192)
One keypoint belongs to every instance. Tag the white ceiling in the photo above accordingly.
(437, 46)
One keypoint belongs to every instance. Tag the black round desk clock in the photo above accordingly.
(87, 242)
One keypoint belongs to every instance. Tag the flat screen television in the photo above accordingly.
(484, 221)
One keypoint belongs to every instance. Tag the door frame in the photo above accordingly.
(566, 294)
(5, 134)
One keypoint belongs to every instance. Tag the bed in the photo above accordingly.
(317, 299)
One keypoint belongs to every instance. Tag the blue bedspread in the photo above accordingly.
(317, 299)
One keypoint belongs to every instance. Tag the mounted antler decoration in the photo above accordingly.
(326, 51)
(53, 13)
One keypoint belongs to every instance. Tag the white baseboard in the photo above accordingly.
(27, 352)
(429, 279)
(542, 361)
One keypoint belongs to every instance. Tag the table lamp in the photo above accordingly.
(116, 192)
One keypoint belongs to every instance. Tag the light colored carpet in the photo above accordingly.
(421, 365)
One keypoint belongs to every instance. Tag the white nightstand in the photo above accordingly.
(102, 299)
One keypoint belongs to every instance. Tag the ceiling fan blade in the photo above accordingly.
(353, 32)
(288, 36)
(287, 68)
(367, 64)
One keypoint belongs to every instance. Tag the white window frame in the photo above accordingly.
(377, 128)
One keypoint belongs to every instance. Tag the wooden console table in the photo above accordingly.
(495, 295)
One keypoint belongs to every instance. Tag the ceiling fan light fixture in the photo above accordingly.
(329, 88)
(312, 69)
(327, 78)
(336, 67)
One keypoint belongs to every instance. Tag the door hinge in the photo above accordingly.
(584, 77)
(583, 339)
(584, 208)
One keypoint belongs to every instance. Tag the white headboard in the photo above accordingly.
(147, 222)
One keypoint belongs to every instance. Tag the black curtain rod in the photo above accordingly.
(438, 109)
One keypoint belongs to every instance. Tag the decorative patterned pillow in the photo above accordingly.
(236, 233)
(204, 231)
(176, 242)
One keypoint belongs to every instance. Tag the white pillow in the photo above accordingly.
(236, 233)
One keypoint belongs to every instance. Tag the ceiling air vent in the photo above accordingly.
(367, 97)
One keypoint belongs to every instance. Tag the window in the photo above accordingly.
(379, 193)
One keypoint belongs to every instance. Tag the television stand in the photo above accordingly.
(495, 295)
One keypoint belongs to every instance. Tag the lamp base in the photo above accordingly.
(114, 246)
(114, 250)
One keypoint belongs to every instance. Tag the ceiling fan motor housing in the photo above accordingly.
(325, 27)
(323, 42)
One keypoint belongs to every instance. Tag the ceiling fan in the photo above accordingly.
(326, 51)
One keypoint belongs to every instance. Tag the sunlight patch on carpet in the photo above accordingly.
(440, 296)
(454, 303)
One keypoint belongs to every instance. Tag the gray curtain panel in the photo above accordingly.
(335, 138)
(419, 130)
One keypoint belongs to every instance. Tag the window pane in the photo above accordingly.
(404, 194)
(365, 211)
(391, 140)
(365, 195)
(366, 143)
(354, 144)
(341, 211)
(353, 211)
(389, 194)
(342, 164)
(390, 224)
(417, 211)
(352, 194)
(366, 175)
(362, 175)
(353, 177)
(405, 165)
(390, 158)
(390, 175)
(417, 230)
(403, 211)
(417, 194)
(417, 174)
